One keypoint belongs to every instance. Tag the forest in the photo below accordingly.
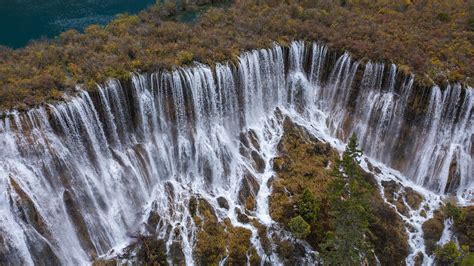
(431, 38)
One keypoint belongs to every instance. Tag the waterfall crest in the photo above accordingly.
(78, 178)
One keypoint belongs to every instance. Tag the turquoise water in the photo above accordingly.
(24, 20)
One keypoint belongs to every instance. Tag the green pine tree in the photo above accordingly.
(348, 196)
(308, 206)
(299, 227)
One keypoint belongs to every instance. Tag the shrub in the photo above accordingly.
(467, 260)
(308, 206)
(454, 212)
(443, 17)
(185, 57)
(448, 253)
(299, 227)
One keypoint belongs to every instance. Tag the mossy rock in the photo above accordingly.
(432, 231)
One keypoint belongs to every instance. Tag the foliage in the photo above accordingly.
(467, 260)
(217, 240)
(151, 250)
(299, 227)
(448, 253)
(455, 213)
(463, 219)
(308, 206)
(410, 33)
(347, 242)
(348, 167)
(302, 167)
(185, 57)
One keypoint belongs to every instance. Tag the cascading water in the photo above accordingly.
(79, 178)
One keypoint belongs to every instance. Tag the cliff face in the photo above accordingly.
(192, 156)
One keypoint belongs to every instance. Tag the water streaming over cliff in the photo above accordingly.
(78, 179)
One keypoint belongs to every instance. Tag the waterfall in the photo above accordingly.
(79, 178)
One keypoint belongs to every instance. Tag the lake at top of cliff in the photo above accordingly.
(24, 20)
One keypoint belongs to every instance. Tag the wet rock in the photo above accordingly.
(291, 252)
(223, 203)
(27, 209)
(377, 170)
(432, 231)
(419, 259)
(248, 191)
(394, 194)
(413, 199)
(153, 221)
(38, 247)
(40, 250)
(391, 188)
(244, 141)
(242, 217)
(254, 140)
(176, 253)
(80, 226)
(169, 190)
(192, 206)
(401, 208)
(259, 163)
(262, 232)
(454, 179)
(105, 262)
(369, 165)
(270, 181)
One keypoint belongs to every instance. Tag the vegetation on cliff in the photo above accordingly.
(460, 252)
(430, 37)
(217, 240)
(332, 196)
(348, 195)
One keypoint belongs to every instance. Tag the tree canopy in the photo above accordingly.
(432, 38)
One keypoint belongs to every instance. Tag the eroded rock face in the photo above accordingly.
(250, 148)
(454, 179)
(248, 191)
(38, 235)
(28, 212)
(223, 203)
(404, 198)
(80, 225)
